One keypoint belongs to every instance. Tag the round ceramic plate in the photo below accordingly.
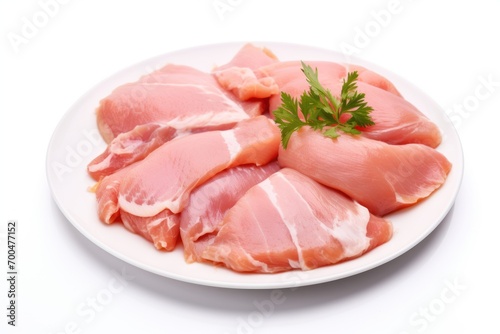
(76, 141)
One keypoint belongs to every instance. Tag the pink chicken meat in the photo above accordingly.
(174, 101)
(300, 224)
(239, 76)
(380, 176)
(209, 202)
(178, 96)
(397, 121)
(148, 195)
(190, 157)
(166, 177)
(162, 229)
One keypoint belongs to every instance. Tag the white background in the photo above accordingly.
(66, 284)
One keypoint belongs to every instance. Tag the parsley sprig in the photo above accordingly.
(320, 109)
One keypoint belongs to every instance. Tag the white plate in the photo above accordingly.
(76, 141)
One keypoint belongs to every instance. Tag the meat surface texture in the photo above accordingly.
(136, 144)
(128, 148)
(174, 101)
(396, 120)
(239, 76)
(380, 176)
(208, 203)
(299, 224)
(328, 71)
(177, 96)
(162, 229)
(166, 177)
(107, 191)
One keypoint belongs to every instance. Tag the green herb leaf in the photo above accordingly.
(320, 109)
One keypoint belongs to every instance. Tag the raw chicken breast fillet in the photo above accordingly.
(177, 96)
(166, 177)
(209, 202)
(397, 121)
(380, 176)
(288, 71)
(137, 118)
(289, 221)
